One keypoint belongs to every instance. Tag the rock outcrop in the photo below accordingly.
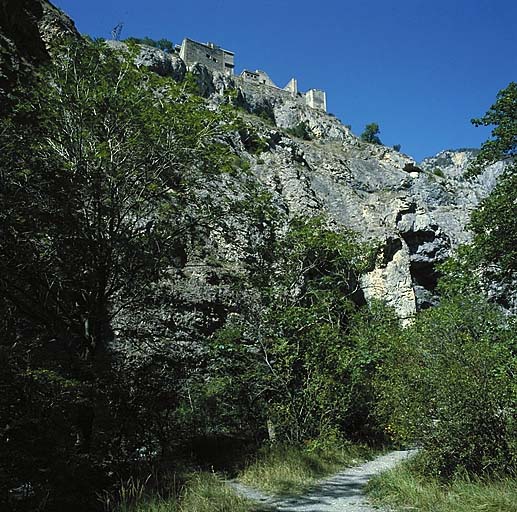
(417, 216)
(416, 212)
(28, 28)
(154, 59)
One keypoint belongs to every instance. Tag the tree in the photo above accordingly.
(503, 116)
(104, 171)
(494, 223)
(310, 304)
(371, 134)
(448, 384)
(99, 176)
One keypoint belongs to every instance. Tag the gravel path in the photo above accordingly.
(342, 492)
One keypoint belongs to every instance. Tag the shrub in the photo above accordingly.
(448, 385)
(301, 130)
(371, 134)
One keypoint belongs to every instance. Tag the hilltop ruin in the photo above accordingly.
(219, 60)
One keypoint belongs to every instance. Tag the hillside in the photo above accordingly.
(417, 212)
(199, 267)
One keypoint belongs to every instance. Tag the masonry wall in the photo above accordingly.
(258, 77)
(316, 99)
(211, 56)
(216, 58)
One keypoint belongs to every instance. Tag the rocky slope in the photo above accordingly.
(418, 213)
(27, 29)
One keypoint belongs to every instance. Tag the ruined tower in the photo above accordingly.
(210, 55)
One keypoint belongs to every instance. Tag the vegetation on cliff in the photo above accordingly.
(112, 178)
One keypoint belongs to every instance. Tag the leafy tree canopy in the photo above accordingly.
(495, 221)
(502, 115)
(100, 176)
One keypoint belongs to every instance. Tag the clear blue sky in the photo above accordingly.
(421, 69)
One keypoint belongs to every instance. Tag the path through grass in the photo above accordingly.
(287, 469)
(404, 488)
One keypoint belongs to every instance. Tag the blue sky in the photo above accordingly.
(421, 69)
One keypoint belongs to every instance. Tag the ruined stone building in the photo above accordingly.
(210, 55)
(217, 59)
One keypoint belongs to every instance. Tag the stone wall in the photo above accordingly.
(316, 98)
(258, 77)
(216, 59)
(292, 86)
(210, 55)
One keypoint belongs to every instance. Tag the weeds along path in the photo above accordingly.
(342, 492)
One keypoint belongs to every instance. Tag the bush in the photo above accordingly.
(371, 134)
(448, 385)
(301, 130)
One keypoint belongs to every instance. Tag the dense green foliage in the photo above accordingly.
(494, 223)
(449, 386)
(502, 115)
(495, 226)
(298, 362)
(102, 165)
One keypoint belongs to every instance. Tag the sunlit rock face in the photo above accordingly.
(415, 212)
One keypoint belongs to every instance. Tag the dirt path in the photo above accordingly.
(342, 492)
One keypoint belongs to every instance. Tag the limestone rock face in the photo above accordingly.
(417, 212)
(54, 25)
(156, 60)
(419, 218)
(27, 30)
(162, 63)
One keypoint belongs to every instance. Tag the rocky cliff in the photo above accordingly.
(417, 212)
(28, 28)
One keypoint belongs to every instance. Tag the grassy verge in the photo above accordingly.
(202, 492)
(286, 469)
(404, 488)
(279, 469)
